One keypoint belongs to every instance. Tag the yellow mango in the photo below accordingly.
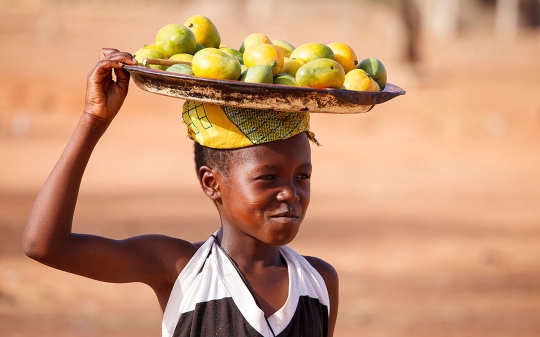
(216, 64)
(359, 80)
(375, 70)
(312, 51)
(321, 73)
(345, 55)
(253, 39)
(206, 33)
(291, 66)
(264, 54)
(285, 47)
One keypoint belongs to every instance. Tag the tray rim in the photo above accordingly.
(360, 98)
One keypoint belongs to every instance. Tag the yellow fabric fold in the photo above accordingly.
(225, 127)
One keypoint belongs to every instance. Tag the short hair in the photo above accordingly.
(219, 159)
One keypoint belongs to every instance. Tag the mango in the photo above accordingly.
(345, 55)
(233, 52)
(291, 66)
(312, 51)
(253, 39)
(285, 79)
(375, 69)
(216, 64)
(321, 73)
(264, 54)
(206, 33)
(198, 47)
(359, 80)
(284, 47)
(258, 74)
(175, 39)
(181, 68)
(182, 57)
(149, 52)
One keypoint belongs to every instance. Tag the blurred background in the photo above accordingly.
(428, 206)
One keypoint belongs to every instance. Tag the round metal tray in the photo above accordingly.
(259, 96)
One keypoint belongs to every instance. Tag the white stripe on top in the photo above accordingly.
(219, 279)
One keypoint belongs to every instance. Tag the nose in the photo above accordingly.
(288, 194)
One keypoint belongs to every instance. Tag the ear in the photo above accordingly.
(209, 180)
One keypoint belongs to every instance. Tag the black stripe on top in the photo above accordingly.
(221, 318)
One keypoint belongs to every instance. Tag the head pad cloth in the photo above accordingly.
(225, 127)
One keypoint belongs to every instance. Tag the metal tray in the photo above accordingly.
(259, 96)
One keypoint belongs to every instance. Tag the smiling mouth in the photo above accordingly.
(286, 215)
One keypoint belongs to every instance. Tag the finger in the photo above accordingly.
(108, 65)
(103, 70)
(123, 57)
(105, 52)
(116, 62)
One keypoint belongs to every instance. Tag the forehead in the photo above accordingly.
(292, 152)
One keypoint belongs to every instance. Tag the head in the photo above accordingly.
(218, 159)
(263, 190)
(255, 165)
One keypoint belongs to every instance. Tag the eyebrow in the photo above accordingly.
(306, 165)
(271, 166)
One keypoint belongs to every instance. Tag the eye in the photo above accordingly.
(267, 177)
(303, 176)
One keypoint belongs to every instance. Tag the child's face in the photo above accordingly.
(266, 192)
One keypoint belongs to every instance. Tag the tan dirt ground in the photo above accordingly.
(428, 206)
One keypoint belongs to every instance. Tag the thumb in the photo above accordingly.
(122, 79)
(122, 75)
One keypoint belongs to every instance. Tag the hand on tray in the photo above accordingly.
(104, 96)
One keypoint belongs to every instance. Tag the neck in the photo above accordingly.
(248, 252)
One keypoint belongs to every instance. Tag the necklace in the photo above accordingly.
(245, 282)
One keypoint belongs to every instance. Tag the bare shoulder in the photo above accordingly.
(168, 242)
(168, 255)
(173, 253)
(157, 258)
(330, 277)
(327, 271)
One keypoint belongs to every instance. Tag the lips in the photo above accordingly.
(288, 214)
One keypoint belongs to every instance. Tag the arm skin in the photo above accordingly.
(331, 280)
(152, 259)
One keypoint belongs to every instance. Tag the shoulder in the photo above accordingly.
(330, 277)
(162, 243)
(169, 253)
(327, 271)
(168, 257)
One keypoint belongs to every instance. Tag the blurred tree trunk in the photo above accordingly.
(530, 10)
(506, 18)
(411, 18)
(446, 17)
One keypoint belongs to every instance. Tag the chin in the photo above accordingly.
(283, 237)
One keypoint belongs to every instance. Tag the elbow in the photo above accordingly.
(34, 249)
(31, 249)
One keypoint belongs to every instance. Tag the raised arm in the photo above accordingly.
(48, 236)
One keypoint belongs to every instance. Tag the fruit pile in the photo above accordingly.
(195, 48)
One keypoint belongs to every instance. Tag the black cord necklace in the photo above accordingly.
(245, 282)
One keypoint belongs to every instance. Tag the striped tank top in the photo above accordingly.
(209, 298)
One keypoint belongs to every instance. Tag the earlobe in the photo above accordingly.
(209, 182)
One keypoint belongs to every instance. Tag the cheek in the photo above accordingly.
(243, 195)
(305, 191)
(305, 199)
(259, 200)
